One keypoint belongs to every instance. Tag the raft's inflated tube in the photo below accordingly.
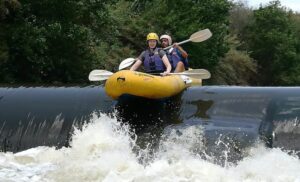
(146, 85)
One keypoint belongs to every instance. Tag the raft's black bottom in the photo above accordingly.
(140, 112)
(143, 113)
(148, 117)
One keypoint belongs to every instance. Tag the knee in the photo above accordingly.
(179, 67)
(180, 64)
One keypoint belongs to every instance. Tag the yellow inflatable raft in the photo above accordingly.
(146, 85)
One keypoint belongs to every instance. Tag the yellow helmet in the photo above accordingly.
(152, 36)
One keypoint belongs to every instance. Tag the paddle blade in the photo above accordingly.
(126, 63)
(99, 75)
(201, 36)
(197, 73)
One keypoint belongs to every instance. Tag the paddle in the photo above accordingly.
(100, 75)
(126, 63)
(195, 73)
(199, 36)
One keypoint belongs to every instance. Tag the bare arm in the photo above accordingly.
(167, 64)
(183, 52)
(136, 65)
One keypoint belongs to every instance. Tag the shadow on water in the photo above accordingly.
(241, 116)
(231, 118)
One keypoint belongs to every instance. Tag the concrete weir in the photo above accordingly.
(36, 116)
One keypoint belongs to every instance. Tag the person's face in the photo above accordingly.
(152, 43)
(164, 42)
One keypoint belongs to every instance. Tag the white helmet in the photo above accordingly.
(166, 37)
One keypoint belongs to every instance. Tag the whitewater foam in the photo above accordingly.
(104, 150)
(288, 126)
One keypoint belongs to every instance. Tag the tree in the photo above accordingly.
(236, 68)
(272, 41)
(63, 40)
(57, 40)
(180, 19)
(240, 17)
(8, 9)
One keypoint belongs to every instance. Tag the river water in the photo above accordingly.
(204, 134)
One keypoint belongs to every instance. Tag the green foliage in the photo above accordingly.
(53, 53)
(8, 9)
(181, 19)
(240, 17)
(63, 40)
(272, 41)
(212, 14)
(236, 68)
(44, 46)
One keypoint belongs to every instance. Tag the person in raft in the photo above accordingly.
(176, 55)
(153, 58)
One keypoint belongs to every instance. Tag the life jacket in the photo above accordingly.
(174, 57)
(153, 62)
(184, 60)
